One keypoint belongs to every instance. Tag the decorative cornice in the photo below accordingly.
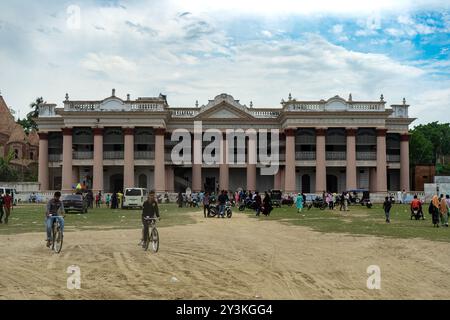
(159, 131)
(351, 132)
(404, 137)
(66, 131)
(43, 135)
(381, 132)
(128, 131)
(97, 131)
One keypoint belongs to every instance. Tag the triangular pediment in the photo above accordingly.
(224, 111)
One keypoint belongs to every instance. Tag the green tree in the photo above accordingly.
(7, 172)
(420, 149)
(29, 123)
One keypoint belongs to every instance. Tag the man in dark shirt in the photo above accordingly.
(258, 203)
(149, 210)
(222, 199)
(7, 204)
(54, 210)
(387, 205)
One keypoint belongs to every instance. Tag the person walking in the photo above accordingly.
(107, 200)
(267, 204)
(434, 211)
(180, 199)
(206, 205)
(7, 204)
(114, 201)
(387, 205)
(2, 212)
(299, 203)
(346, 200)
(258, 203)
(443, 210)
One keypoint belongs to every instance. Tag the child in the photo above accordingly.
(299, 203)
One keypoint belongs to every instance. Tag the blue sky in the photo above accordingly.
(257, 51)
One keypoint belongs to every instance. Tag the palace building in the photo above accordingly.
(335, 145)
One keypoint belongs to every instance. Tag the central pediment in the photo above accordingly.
(224, 106)
(223, 114)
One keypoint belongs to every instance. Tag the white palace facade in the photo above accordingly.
(335, 145)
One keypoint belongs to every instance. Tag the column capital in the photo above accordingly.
(351, 132)
(321, 131)
(128, 131)
(43, 135)
(66, 131)
(381, 132)
(404, 137)
(160, 131)
(289, 132)
(97, 131)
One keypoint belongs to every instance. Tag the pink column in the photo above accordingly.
(223, 167)
(196, 177)
(381, 161)
(67, 160)
(351, 159)
(404, 162)
(251, 163)
(98, 160)
(128, 159)
(170, 179)
(277, 180)
(289, 171)
(76, 175)
(43, 176)
(197, 161)
(160, 172)
(321, 167)
(373, 179)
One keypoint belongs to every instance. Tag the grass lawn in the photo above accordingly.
(30, 218)
(362, 221)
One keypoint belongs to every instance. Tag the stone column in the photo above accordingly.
(251, 162)
(43, 173)
(404, 162)
(381, 161)
(98, 160)
(128, 159)
(160, 172)
(351, 159)
(223, 167)
(373, 179)
(170, 179)
(321, 166)
(196, 177)
(277, 180)
(76, 175)
(67, 160)
(289, 172)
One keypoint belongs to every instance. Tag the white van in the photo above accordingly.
(12, 192)
(134, 198)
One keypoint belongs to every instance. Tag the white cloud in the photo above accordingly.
(110, 64)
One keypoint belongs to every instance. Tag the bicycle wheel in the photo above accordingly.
(213, 212)
(229, 213)
(57, 238)
(154, 240)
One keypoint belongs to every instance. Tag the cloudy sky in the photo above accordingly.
(257, 51)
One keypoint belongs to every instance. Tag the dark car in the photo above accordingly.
(75, 202)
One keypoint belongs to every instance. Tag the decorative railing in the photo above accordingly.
(265, 114)
(139, 106)
(144, 154)
(305, 155)
(83, 106)
(366, 156)
(306, 107)
(336, 155)
(112, 155)
(366, 107)
(81, 155)
(393, 158)
(54, 157)
(184, 113)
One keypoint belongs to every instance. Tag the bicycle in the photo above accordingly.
(57, 236)
(152, 236)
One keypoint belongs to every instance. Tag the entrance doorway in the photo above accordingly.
(306, 183)
(210, 184)
(332, 183)
(116, 183)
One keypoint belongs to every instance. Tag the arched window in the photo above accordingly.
(16, 153)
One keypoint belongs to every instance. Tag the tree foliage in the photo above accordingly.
(29, 123)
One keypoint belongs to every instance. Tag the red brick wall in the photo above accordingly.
(422, 175)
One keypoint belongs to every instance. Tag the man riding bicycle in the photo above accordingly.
(55, 210)
(149, 211)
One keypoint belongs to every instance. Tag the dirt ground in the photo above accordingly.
(238, 258)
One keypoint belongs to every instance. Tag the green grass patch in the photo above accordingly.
(30, 218)
(361, 221)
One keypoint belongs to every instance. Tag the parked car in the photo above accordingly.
(75, 202)
(134, 198)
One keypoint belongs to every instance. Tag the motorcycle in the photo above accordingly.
(247, 204)
(214, 210)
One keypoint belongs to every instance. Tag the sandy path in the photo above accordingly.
(238, 258)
